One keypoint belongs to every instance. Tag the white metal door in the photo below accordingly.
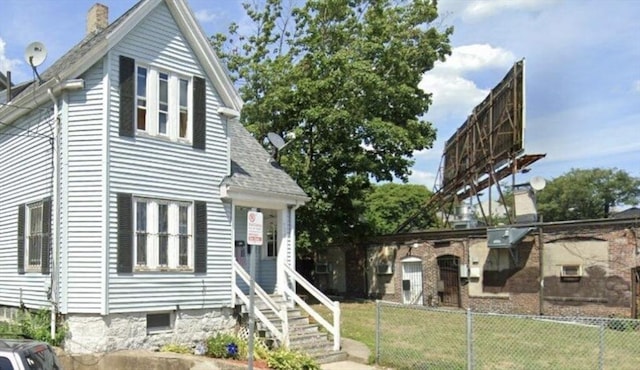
(412, 279)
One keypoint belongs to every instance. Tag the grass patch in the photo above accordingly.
(414, 338)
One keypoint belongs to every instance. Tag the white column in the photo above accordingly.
(283, 242)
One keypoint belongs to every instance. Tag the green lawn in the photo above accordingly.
(416, 338)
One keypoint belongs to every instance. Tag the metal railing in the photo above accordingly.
(282, 336)
(333, 306)
(419, 337)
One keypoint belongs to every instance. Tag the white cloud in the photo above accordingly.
(425, 178)
(454, 95)
(6, 64)
(480, 9)
(205, 15)
(636, 86)
(475, 57)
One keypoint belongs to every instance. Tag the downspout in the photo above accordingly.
(69, 85)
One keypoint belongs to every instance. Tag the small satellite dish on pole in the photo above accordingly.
(35, 54)
(537, 183)
(276, 140)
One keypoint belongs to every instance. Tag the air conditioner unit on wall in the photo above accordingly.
(384, 269)
(571, 271)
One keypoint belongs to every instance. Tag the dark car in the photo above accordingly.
(24, 354)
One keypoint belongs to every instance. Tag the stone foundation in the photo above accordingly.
(88, 333)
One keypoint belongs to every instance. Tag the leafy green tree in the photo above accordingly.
(342, 75)
(587, 194)
(388, 205)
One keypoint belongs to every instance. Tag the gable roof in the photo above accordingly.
(95, 46)
(254, 171)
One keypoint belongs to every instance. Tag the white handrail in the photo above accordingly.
(282, 336)
(333, 306)
(243, 297)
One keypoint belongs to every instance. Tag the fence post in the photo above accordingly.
(601, 344)
(377, 332)
(469, 340)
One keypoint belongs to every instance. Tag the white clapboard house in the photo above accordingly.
(125, 182)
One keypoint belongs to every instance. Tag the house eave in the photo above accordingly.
(250, 197)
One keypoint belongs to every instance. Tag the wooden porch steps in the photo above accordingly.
(304, 336)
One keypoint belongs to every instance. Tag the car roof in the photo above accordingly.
(19, 344)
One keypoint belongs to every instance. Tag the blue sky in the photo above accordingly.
(582, 69)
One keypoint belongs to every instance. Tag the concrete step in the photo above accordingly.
(304, 336)
(324, 356)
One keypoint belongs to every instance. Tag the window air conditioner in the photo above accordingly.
(571, 271)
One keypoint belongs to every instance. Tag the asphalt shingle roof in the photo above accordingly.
(253, 168)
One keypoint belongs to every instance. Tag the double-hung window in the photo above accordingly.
(34, 236)
(163, 234)
(162, 104)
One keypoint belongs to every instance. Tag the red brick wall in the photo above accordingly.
(521, 285)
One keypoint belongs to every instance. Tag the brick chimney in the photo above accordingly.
(97, 18)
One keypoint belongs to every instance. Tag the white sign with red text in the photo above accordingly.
(254, 228)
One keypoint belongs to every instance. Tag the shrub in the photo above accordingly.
(223, 345)
(623, 324)
(283, 359)
(175, 348)
(36, 325)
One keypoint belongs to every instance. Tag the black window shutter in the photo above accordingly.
(45, 259)
(127, 96)
(125, 233)
(199, 113)
(21, 220)
(201, 237)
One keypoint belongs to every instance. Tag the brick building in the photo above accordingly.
(586, 268)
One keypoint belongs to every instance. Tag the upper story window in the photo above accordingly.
(162, 103)
(141, 99)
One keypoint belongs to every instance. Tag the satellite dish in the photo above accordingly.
(537, 183)
(35, 54)
(276, 140)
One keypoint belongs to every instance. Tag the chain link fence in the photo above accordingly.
(418, 337)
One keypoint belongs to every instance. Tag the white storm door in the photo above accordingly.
(412, 273)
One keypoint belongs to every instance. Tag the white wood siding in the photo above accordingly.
(25, 173)
(154, 167)
(82, 210)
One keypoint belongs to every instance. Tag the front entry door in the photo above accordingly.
(449, 283)
(412, 282)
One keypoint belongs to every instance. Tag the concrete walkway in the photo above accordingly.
(358, 356)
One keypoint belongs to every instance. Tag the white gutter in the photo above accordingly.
(70, 85)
